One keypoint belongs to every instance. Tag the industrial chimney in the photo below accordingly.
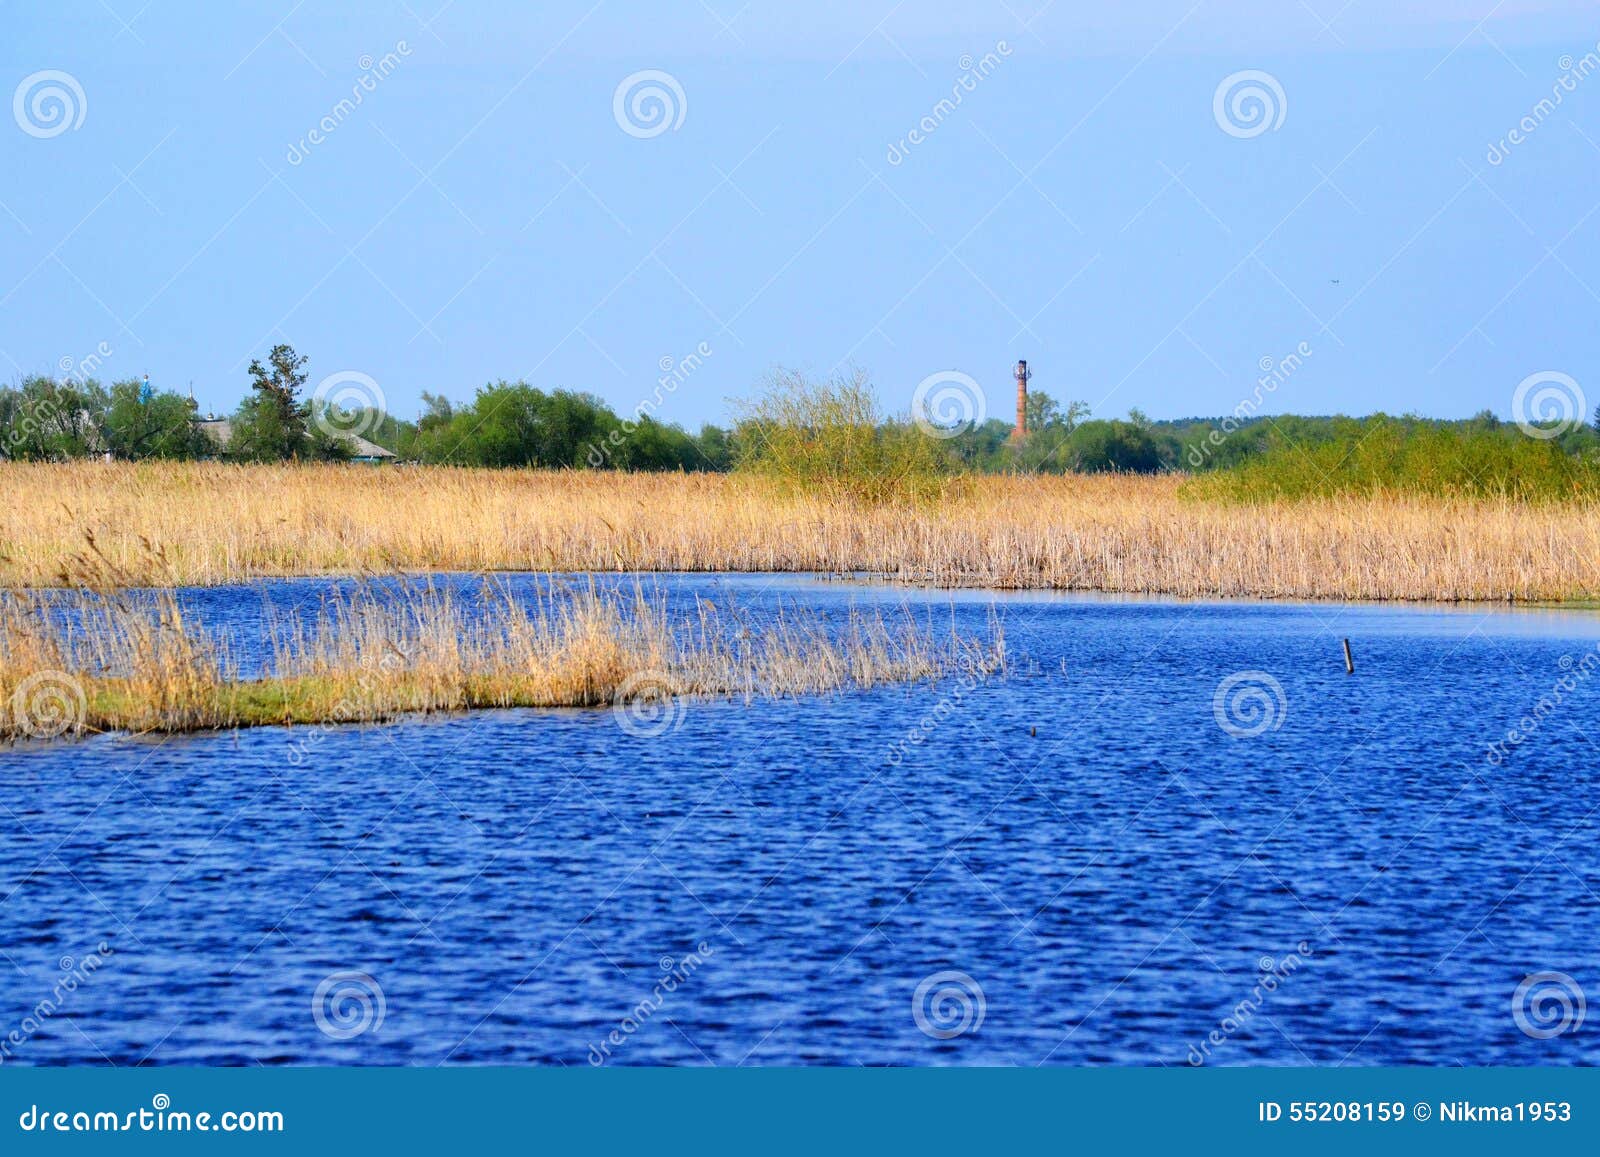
(1022, 401)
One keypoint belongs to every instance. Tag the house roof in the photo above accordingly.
(221, 431)
(219, 428)
(365, 449)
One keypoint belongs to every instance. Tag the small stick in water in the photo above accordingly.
(1349, 663)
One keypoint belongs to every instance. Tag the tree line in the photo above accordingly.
(505, 424)
(822, 433)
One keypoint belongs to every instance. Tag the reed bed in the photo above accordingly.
(216, 523)
(109, 659)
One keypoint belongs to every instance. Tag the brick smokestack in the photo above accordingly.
(1022, 401)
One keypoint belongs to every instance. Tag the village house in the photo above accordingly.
(220, 431)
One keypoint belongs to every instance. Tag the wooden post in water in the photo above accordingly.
(1349, 663)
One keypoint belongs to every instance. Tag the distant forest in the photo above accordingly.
(513, 424)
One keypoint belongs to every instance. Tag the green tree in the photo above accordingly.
(161, 426)
(271, 424)
(515, 424)
(1103, 447)
(1050, 429)
(42, 419)
(653, 445)
(717, 448)
(436, 411)
(831, 437)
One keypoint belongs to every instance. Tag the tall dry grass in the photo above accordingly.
(105, 659)
(217, 523)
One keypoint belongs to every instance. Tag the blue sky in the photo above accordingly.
(483, 213)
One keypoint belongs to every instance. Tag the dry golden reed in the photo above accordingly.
(105, 659)
(218, 523)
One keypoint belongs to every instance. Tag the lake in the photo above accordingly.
(1176, 832)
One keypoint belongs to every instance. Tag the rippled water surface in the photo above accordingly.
(1084, 841)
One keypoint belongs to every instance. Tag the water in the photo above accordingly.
(1083, 842)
